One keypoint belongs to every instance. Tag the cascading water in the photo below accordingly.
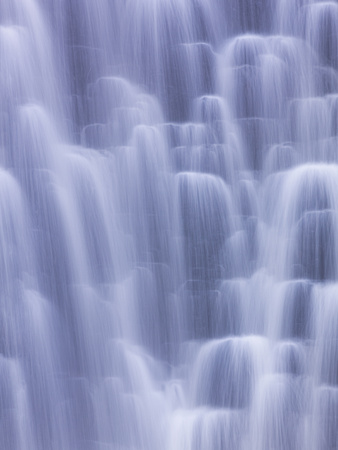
(168, 224)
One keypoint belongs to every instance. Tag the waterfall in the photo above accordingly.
(168, 224)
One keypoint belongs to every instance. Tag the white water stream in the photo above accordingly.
(168, 225)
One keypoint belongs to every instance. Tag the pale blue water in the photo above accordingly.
(168, 225)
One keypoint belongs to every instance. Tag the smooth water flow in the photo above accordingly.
(168, 225)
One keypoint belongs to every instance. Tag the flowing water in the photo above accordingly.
(168, 225)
